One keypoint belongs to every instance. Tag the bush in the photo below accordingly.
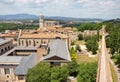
(80, 37)
(87, 72)
(78, 48)
(73, 68)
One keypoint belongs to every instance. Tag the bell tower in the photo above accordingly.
(41, 21)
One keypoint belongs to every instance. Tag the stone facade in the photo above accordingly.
(5, 45)
(45, 24)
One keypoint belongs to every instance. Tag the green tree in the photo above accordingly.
(80, 37)
(87, 72)
(92, 46)
(78, 48)
(39, 73)
(59, 74)
(72, 43)
(73, 68)
(72, 54)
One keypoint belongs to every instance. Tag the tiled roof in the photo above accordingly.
(2, 41)
(10, 59)
(25, 64)
(58, 48)
(43, 35)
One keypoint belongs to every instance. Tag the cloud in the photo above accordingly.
(75, 8)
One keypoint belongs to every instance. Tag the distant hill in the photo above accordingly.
(24, 16)
(114, 20)
(18, 16)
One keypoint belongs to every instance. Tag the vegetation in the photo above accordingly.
(91, 43)
(11, 26)
(73, 68)
(39, 73)
(113, 40)
(78, 48)
(80, 37)
(84, 59)
(72, 43)
(113, 72)
(87, 72)
(43, 73)
(58, 74)
(89, 26)
(73, 53)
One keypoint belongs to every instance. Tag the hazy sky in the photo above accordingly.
(105, 9)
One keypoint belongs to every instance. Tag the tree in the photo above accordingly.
(92, 46)
(72, 54)
(39, 73)
(87, 72)
(80, 37)
(78, 48)
(59, 74)
(73, 68)
(72, 43)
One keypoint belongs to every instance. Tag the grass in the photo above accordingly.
(114, 75)
(85, 59)
(82, 42)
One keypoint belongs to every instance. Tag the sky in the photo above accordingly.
(105, 9)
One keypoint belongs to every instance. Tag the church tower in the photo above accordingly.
(41, 21)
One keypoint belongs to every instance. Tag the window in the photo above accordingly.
(7, 71)
(21, 77)
(55, 63)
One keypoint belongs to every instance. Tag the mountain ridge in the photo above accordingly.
(21, 16)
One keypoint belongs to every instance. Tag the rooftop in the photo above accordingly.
(26, 63)
(58, 48)
(10, 59)
(43, 35)
(2, 41)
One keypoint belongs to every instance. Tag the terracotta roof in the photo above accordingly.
(7, 35)
(43, 35)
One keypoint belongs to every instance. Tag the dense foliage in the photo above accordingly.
(87, 72)
(73, 53)
(73, 68)
(77, 48)
(89, 26)
(80, 37)
(42, 72)
(11, 26)
(113, 40)
(91, 43)
(39, 73)
(59, 74)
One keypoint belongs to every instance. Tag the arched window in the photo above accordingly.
(22, 43)
(2, 50)
(29, 42)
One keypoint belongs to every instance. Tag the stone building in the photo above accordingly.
(14, 68)
(5, 45)
(89, 33)
(57, 53)
(37, 39)
(45, 24)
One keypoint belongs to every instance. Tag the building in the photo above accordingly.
(5, 45)
(45, 24)
(39, 38)
(14, 68)
(89, 33)
(57, 54)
